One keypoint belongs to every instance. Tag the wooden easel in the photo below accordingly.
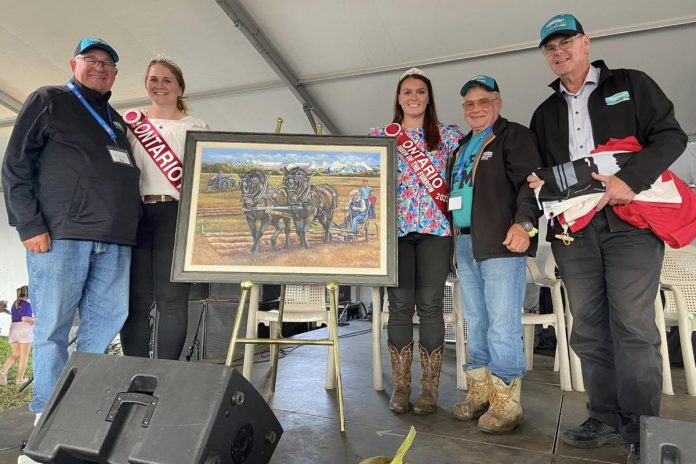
(332, 287)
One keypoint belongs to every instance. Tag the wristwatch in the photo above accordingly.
(529, 228)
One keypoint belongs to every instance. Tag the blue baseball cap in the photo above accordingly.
(95, 42)
(487, 82)
(565, 24)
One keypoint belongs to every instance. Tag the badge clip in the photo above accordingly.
(565, 238)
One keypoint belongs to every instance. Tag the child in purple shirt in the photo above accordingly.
(21, 336)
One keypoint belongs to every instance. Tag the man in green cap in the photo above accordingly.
(610, 268)
(71, 190)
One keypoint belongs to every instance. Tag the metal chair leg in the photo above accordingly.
(278, 335)
(376, 340)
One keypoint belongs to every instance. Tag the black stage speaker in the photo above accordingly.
(667, 441)
(120, 410)
(212, 309)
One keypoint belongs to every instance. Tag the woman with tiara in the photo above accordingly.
(160, 182)
(424, 240)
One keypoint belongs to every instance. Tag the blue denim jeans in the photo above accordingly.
(492, 296)
(356, 220)
(88, 276)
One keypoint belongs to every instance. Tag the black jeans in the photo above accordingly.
(612, 279)
(424, 262)
(151, 265)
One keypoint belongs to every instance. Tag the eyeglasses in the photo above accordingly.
(108, 65)
(565, 44)
(483, 103)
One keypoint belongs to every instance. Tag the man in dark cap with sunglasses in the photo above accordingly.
(71, 190)
(610, 268)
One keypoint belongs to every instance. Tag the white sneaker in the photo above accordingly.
(23, 458)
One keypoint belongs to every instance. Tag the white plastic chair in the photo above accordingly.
(381, 317)
(303, 303)
(667, 388)
(576, 369)
(678, 282)
(556, 319)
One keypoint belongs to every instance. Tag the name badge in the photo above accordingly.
(617, 98)
(455, 203)
(119, 155)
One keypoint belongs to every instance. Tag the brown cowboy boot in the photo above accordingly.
(479, 391)
(505, 411)
(401, 377)
(431, 363)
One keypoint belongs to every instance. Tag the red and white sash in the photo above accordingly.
(421, 165)
(156, 147)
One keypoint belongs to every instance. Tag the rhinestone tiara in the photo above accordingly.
(413, 71)
(165, 59)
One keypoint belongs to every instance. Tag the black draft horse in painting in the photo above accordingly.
(259, 201)
(309, 202)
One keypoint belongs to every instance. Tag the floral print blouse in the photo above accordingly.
(415, 209)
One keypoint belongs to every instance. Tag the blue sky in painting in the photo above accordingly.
(288, 157)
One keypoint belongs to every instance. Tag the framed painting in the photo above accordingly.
(280, 208)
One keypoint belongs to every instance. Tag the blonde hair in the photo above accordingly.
(171, 65)
(22, 294)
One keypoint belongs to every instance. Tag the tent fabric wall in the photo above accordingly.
(348, 55)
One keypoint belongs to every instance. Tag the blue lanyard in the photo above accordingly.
(95, 115)
(474, 148)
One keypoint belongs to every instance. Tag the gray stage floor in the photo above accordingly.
(309, 414)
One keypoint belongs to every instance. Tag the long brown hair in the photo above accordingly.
(169, 63)
(22, 294)
(431, 131)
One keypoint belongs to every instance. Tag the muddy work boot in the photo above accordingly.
(401, 377)
(476, 404)
(505, 410)
(431, 364)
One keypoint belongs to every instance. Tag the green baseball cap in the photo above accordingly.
(565, 24)
(487, 82)
(95, 42)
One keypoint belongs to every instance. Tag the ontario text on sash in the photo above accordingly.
(421, 165)
(156, 147)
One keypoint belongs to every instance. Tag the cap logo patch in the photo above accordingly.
(560, 22)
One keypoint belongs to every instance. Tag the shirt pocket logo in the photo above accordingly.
(617, 98)
(486, 155)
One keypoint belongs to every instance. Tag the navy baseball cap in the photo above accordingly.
(95, 42)
(486, 82)
(565, 24)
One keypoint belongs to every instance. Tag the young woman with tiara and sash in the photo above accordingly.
(424, 149)
(158, 136)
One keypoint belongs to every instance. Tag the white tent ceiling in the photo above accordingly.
(347, 55)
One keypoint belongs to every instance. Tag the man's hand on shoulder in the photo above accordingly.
(38, 244)
(618, 192)
(534, 182)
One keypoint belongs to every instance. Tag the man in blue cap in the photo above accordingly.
(493, 216)
(71, 190)
(610, 268)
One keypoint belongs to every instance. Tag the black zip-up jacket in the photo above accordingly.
(647, 114)
(501, 195)
(58, 175)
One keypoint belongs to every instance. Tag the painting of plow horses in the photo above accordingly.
(287, 209)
